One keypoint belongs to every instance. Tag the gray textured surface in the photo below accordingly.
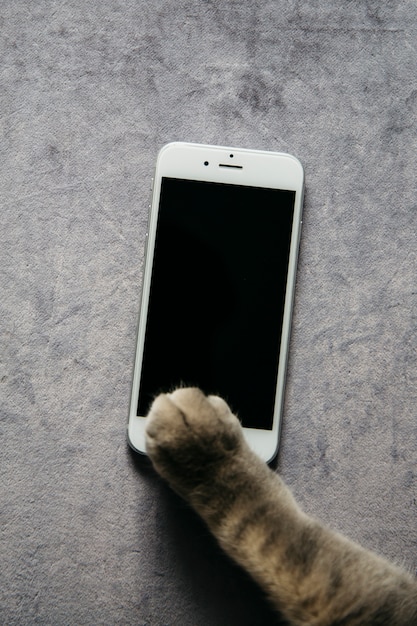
(89, 93)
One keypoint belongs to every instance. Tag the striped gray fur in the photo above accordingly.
(312, 575)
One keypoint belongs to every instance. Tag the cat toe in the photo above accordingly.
(187, 419)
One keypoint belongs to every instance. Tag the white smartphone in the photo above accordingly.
(218, 284)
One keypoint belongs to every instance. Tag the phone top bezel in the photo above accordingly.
(272, 170)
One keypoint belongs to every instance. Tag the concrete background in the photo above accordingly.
(89, 93)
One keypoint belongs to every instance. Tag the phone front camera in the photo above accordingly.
(206, 162)
(231, 156)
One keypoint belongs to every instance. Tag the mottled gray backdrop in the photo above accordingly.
(89, 92)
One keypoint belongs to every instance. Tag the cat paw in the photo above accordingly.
(188, 434)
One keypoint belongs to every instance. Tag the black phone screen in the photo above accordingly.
(217, 295)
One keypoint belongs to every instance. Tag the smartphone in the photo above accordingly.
(218, 284)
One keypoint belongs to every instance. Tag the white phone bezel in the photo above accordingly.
(246, 167)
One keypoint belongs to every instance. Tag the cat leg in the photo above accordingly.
(312, 575)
